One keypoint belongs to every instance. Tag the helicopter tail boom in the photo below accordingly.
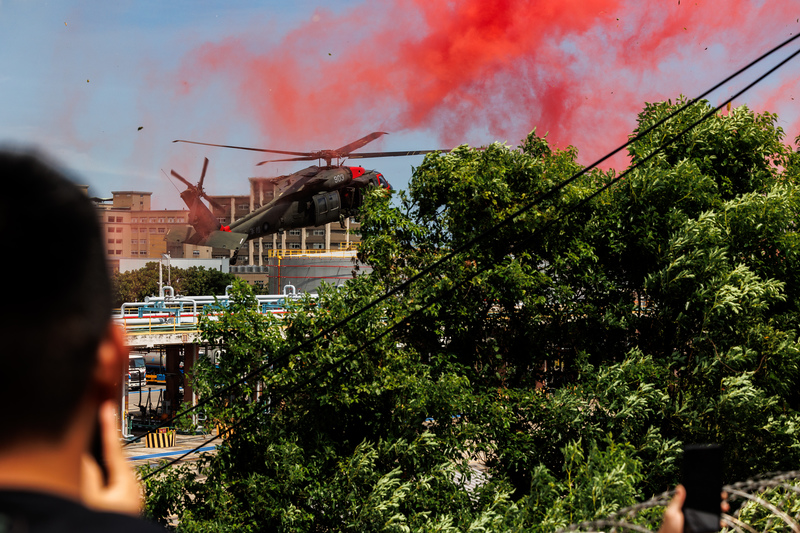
(217, 239)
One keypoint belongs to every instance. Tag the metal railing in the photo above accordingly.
(182, 314)
(343, 251)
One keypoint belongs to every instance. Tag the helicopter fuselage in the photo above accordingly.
(311, 197)
(324, 194)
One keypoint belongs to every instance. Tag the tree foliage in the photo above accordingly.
(567, 342)
(135, 285)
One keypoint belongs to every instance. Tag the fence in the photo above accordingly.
(767, 503)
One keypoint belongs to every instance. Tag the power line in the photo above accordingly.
(510, 219)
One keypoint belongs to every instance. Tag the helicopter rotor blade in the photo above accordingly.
(355, 145)
(366, 155)
(343, 151)
(328, 155)
(203, 174)
(213, 202)
(307, 158)
(181, 178)
(244, 148)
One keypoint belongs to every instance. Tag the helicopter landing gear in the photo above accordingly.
(233, 258)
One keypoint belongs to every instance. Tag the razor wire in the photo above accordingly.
(765, 503)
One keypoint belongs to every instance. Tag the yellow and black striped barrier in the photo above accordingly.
(165, 438)
(224, 430)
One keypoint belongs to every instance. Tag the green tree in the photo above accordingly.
(571, 350)
(136, 285)
(198, 280)
(346, 449)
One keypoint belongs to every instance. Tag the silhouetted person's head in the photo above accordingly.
(55, 301)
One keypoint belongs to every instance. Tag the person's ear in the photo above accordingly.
(112, 362)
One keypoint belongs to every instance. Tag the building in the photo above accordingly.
(133, 230)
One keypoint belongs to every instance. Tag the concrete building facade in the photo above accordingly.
(132, 230)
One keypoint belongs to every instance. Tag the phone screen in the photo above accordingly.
(702, 478)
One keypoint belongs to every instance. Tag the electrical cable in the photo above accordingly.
(333, 366)
(508, 220)
(511, 218)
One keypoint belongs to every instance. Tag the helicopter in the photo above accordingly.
(310, 197)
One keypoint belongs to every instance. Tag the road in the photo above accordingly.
(136, 397)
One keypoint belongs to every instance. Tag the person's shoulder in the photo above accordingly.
(44, 513)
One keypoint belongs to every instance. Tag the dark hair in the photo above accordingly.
(56, 303)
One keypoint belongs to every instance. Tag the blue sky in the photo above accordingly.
(76, 82)
(78, 79)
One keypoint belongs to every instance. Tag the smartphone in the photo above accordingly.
(702, 478)
(97, 450)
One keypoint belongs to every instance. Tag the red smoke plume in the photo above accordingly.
(477, 71)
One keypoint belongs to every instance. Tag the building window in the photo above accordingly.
(134, 241)
(294, 245)
(111, 230)
(134, 252)
(317, 246)
(319, 232)
(111, 252)
(180, 220)
(134, 220)
(119, 241)
(196, 253)
(152, 220)
(119, 219)
(110, 241)
(295, 232)
(162, 230)
(119, 230)
(160, 220)
(171, 220)
(242, 207)
(267, 246)
(152, 230)
(111, 219)
(118, 252)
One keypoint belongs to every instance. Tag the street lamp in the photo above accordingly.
(169, 274)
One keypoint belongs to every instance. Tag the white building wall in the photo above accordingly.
(219, 263)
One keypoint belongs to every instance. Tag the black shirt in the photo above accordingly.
(33, 512)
